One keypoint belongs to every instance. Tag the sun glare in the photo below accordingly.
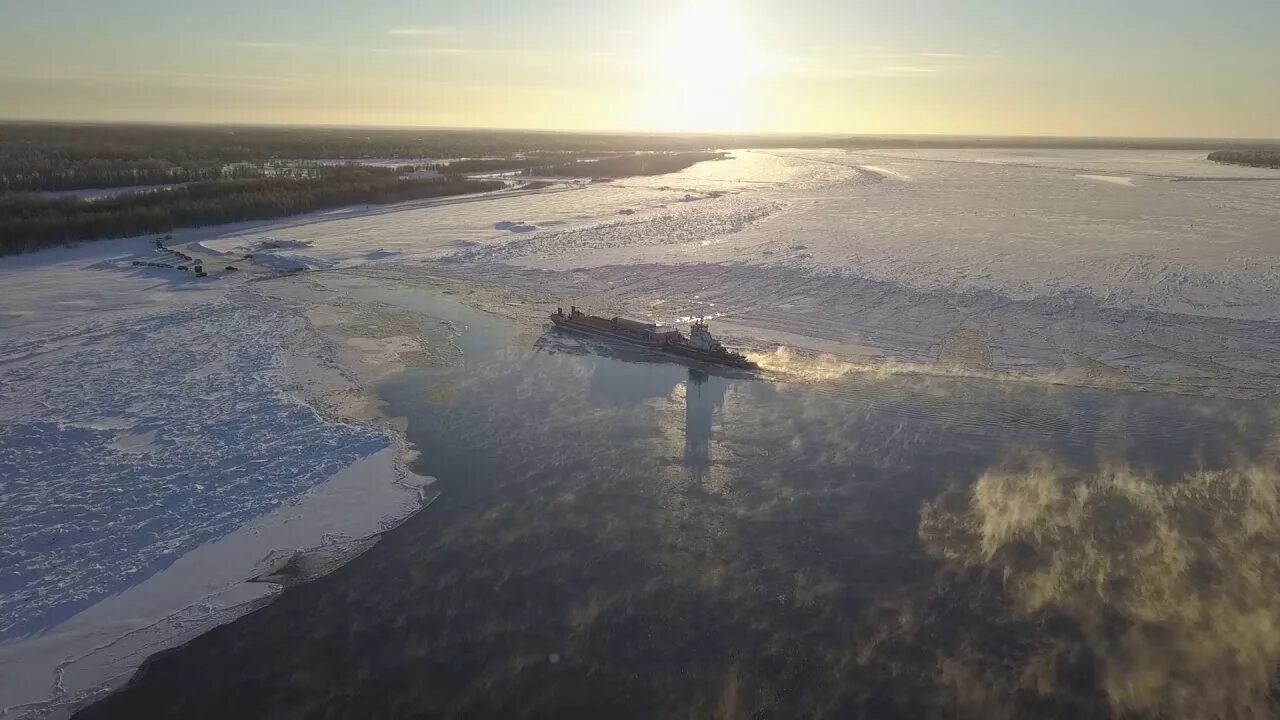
(701, 73)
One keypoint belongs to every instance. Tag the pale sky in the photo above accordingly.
(1070, 67)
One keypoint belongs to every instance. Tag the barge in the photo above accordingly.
(699, 345)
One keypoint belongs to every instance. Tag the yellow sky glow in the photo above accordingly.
(1089, 67)
(702, 73)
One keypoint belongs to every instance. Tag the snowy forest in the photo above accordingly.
(30, 222)
(1252, 158)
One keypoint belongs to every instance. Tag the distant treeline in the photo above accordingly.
(572, 165)
(525, 161)
(31, 222)
(47, 156)
(50, 156)
(24, 170)
(628, 165)
(1252, 158)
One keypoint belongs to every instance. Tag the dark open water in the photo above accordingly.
(623, 538)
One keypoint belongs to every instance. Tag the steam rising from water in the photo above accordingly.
(788, 364)
(791, 365)
(1173, 584)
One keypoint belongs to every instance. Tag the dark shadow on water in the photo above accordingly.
(623, 537)
(703, 396)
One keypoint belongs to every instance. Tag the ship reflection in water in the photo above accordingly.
(702, 398)
(620, 537)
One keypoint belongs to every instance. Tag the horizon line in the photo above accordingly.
(666, 133)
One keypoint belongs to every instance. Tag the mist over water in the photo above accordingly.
(619, 535)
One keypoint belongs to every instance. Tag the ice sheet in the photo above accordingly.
(139, 403)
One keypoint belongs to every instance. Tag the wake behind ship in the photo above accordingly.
(699, 345)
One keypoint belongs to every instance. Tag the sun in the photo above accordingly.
(701, 73)
(707, 44)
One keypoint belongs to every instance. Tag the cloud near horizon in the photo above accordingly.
(426, 31)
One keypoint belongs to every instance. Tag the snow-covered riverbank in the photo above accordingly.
(162, 441)
(164, 438)
(1163, 274)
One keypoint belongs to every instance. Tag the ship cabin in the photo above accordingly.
(634, 326)
(652, 333)
(664, 335)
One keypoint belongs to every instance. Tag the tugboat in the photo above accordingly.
(699, 345)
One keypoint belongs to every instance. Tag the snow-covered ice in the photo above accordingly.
(148, 419)
(122, 461)
(1151, 268)
(514, 226)
(1124, 180)
(101, 646)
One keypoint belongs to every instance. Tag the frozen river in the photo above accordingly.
(1154, 269)
(622, 536)
(162, 439)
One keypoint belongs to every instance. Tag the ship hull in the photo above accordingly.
(709, 358)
